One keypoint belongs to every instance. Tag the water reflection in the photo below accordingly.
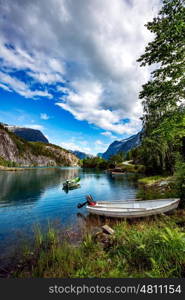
(67, 189)
(27, 186)
(36, 196)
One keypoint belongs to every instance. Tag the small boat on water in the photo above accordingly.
(130, 209)
(117, 173)
(70, 184)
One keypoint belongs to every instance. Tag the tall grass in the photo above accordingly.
(154, 179)
(151, 248)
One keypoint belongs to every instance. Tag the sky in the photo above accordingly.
(68, 68)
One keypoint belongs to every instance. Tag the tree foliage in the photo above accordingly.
(180, 180)
(117, 158)
(95, 162)
(164, 94)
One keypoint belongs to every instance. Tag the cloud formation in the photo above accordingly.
(34, 126)
(86, 50)
(108, 134)
(76, 145)
(44, 116)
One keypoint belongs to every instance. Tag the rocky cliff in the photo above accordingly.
(18, 151)
(123, 146)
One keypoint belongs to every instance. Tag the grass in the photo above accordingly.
(154, 179)
(157, 187)
(149, 194)
(152, 247)
(131, 168)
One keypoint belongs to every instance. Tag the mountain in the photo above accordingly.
(17, 151)
(122, 146)
(28, 134)
(100, 154)
(81, 155)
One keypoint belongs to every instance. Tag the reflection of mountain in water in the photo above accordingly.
(70, 173)
(27, 186)
(125, 180)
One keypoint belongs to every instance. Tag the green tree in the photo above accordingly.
(94, 162)
(180, 180)
(117, 158)
(164, 94)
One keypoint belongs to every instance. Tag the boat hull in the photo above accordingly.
(71, 186)
(115, 211)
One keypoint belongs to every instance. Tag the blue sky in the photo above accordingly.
(69, 68)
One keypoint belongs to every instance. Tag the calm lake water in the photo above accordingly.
(36, 196)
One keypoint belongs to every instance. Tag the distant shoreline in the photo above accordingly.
(3, 168)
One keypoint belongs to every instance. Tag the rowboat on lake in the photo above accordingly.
(117, 173)
(131, 209)
(70, 184)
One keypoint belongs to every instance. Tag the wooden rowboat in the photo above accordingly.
(133, 209)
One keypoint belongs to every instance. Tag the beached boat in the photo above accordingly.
(132, 209)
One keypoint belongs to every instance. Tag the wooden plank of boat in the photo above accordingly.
(133, 209)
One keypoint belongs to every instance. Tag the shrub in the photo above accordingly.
(7, 163)
(180, 181)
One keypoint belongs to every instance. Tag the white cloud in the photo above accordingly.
(90, 46)
(105, 119)
(44, 116)
(98, 142)
(5, 87)
(20, 87)
(75, 146)
(33, 126)
(45, 77)
(38, 65)
(63, 89)
(89, 147)
(108, 134)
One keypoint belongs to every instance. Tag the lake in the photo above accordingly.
(36, 196)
